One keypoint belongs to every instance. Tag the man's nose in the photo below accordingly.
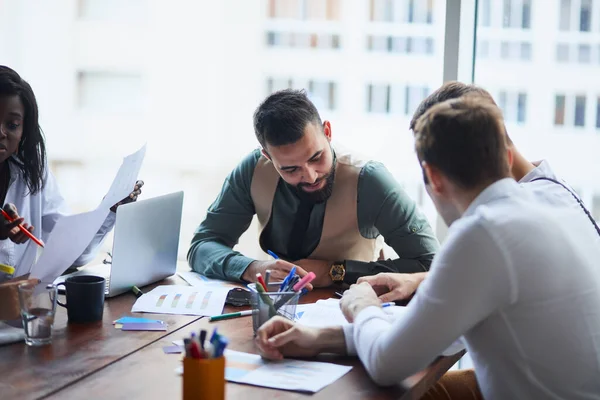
(310, 176)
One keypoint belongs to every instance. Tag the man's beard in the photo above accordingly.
(320, 196)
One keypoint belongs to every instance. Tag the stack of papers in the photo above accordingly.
(139, 324)
(196, 279)
(296, 375)
(327, 312)
(204, 301)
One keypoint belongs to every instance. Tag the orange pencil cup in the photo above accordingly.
(204, 378)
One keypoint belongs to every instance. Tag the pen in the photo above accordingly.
(261, 281)
(267, 278)
(304, 281)
(22, 228)
(136, 290)
(202, 338)
(388, 304)
(339, 294)
(231, 315)
(273, 254)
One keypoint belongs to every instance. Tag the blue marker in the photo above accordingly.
(273, 254)
(388, 304)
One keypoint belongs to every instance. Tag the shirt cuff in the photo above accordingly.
(237, 266)
(349, 337)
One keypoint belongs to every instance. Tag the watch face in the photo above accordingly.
(337, 272)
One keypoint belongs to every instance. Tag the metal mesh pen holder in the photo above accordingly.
(267, 305)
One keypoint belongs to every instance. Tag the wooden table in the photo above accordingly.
(99, 361)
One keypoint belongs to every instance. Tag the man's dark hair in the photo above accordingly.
(282, 117)
(464, 138)
(31, 154)
(448, 91)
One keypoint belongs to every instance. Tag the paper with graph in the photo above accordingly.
(183, 300)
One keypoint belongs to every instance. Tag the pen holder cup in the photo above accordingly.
(204, 378)
(269, 304)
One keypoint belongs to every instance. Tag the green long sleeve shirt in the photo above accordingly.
(384, 208)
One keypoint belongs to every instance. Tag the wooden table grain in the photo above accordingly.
(149, 373)
(77, 350)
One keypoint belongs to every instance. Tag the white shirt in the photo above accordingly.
(519, 280)
(42, 210)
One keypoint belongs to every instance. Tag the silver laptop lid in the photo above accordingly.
(145, 242)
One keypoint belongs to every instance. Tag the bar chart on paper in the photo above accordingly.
(183, 300)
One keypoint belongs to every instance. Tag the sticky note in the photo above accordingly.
(150, 326)
(172, 349)
(135, 320)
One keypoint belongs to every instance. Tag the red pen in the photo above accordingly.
(22, 228)
(260, 280)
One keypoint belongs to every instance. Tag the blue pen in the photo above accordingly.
(388, 304)
(273, 254)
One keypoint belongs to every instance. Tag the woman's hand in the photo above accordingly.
(137, 190)
(11, 230)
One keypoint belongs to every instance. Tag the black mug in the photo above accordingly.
(85, 298)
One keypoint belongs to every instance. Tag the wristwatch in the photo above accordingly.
(337, 272)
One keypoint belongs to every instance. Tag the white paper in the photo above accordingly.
(67, 241)
(325, 313)
(195, 279)
(125, 180)
(296, 375)
(183, 300)
(73, 234)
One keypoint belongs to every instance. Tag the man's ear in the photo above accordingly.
(265, 154)
(510, 157)
(434, 178)
(327, 130)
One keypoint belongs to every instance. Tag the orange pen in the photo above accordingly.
(22, 228)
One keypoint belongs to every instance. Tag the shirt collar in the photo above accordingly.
(542, 168)
(497, 190)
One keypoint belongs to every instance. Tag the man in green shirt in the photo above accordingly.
(318, 208)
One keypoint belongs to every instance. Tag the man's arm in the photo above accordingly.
(211, 252)
(471, 255)
(385, 208)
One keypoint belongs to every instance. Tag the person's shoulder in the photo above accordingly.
(376, 178)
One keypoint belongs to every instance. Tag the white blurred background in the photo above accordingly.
(184, 76)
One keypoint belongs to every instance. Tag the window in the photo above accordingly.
(378, 98)
(303, 40)
(483, 49)
(401, 44)
(525, 51)
(522, 107)
(562, 52)
(585, 15)
(526, 22)
(559, 109)
(506, 13)
(484, 13)
(565, 15)
(598, 113)
(323, 93)
(513, 105)
(413, 97)
(579, 110)
(585, 53)
(403, 11)
(505, 50)
(316, 10)
(110, 92)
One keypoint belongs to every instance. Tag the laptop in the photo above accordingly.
(145, 243)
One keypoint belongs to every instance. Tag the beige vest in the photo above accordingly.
(340, 238)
